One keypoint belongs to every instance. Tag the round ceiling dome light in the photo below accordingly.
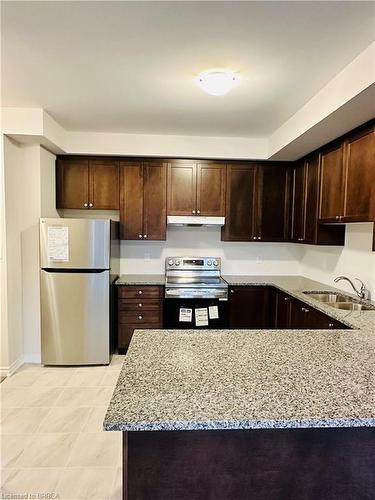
(217, 81)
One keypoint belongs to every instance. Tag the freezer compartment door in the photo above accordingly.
(75, 318)
(74, 243)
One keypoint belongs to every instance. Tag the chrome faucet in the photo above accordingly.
(363, 292)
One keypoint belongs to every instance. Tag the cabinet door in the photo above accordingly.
(273, 202)
(154, 201)
(249, 307)
(283, 310)
(360, 175)
(211, 189)
(240, 203)
(182, 182)
(104, 184)
(332, 182)
(298, 229)
(72, 183)
(131, 201)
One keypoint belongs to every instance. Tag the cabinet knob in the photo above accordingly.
(140, 292)
(140, 236)
(286, 299)
(193, 211)
(145, 235)
(254, 237)
(337, 216)
(305, 310)
(259, 237)
(140, 305)
(85, 205)
(140, 317)
(198, 211)
(91, 204)
(331, 325)
(232, 291)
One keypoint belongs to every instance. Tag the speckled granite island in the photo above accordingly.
(250, 414)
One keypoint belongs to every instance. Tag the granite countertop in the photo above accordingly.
(141, 279)
(249, 379)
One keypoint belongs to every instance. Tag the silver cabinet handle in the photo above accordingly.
(140, 292)
(85, 205)
(254, 237)
(140, 236)
(145, 235)
(193, 211)
(140, 305)
(259, 237)
(286, 298)
(305, 310)
(337, 216)
(140, 317)
(331, 325)
(232, 291)
(198, 211)
(91, 205)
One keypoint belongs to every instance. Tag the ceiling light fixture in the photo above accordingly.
(217, 81)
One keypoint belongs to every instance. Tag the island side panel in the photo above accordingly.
(282, 464)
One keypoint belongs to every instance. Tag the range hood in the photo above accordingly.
(194, 220)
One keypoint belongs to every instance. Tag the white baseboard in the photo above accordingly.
(6, 371)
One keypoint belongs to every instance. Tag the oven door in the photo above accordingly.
(195, 313)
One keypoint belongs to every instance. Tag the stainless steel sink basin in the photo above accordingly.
(327, 297)
(339, 301)
(352, 306)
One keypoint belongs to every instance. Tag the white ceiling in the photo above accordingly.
(128, 66)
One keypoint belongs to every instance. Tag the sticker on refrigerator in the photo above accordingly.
(213, 312)
(186, 315)
(58, 243)
(201, 316)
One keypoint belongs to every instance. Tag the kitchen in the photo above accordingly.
(257, 212)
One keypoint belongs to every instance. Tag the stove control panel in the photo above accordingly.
(193, 263)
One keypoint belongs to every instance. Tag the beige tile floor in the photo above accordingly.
(51, 433)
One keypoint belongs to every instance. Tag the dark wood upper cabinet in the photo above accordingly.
(155, 201)
(241, 203)
(332, 183)
(104, 184)
(257, 201)
(211, 189)
(143, 201)
(305, 227)
(359, 157)
(273, 202)
(72, 183)
(84, 183)
(131, 201)
(182, 182)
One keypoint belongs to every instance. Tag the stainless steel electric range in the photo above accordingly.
(196, 296)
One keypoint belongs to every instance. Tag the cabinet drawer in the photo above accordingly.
(144, 291)
(139, 304)
(140, 317)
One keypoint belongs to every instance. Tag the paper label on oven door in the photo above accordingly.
(213, 312)
(186, 315)
(58, 243)
(201, 316)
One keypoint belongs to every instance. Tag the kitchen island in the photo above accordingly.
(249, 414)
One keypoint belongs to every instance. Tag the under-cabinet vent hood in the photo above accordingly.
(194, 220)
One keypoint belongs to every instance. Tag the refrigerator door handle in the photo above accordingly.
(71, 271)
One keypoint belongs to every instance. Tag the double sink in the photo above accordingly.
(339, 301)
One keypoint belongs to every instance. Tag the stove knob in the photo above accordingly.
(177, 263)
(170, 262)
(216, 263)
(209, 263)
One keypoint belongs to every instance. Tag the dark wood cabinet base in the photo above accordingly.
(282, 464)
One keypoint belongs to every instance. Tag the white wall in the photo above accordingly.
(238, 258)
(354, 260)
(29, 194)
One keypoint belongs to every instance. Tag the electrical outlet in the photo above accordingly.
(147, 257)
(259, 259)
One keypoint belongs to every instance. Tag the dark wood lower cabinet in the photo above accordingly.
(250, 307)
(265, 464)
(138, 307)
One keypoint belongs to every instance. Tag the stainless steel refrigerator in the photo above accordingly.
(79, 260)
